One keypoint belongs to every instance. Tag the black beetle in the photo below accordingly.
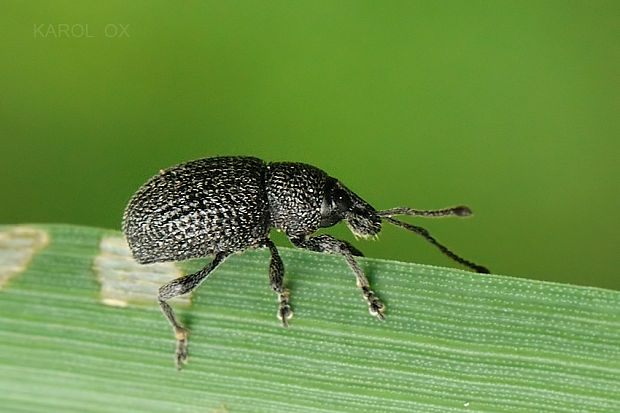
(223, 205)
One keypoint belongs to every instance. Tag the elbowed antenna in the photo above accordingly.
(461, 211)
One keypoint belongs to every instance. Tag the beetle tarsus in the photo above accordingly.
(284, 311)
(181, 355)
(375, 306)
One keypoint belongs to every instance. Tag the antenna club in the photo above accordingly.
(462, 211)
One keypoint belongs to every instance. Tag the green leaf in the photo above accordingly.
(452, 341)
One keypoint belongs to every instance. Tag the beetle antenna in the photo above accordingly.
(424, 233)
(459, 211)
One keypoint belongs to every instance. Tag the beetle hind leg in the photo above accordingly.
(180, 286)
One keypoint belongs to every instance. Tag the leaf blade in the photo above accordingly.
(452, 339)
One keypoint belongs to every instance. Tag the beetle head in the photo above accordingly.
(341, 203)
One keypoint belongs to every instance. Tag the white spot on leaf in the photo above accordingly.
(17, 247)
(125, 281)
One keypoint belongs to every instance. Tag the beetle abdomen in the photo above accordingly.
(197, 209)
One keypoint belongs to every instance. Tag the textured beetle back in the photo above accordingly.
(197, 209)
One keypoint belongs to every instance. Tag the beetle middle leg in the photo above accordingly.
(182, 286)
(276, 279)
(327, 243)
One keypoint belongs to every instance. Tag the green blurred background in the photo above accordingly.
(508, 107)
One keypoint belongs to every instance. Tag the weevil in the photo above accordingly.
(224, 205)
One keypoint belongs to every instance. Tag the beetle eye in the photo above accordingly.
(341, 200)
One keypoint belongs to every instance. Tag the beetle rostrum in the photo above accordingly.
(224, 205)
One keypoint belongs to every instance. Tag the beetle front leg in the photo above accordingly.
(180, 286)
(328, 244)
(276, 279)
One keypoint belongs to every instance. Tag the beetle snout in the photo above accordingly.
(363, 222)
